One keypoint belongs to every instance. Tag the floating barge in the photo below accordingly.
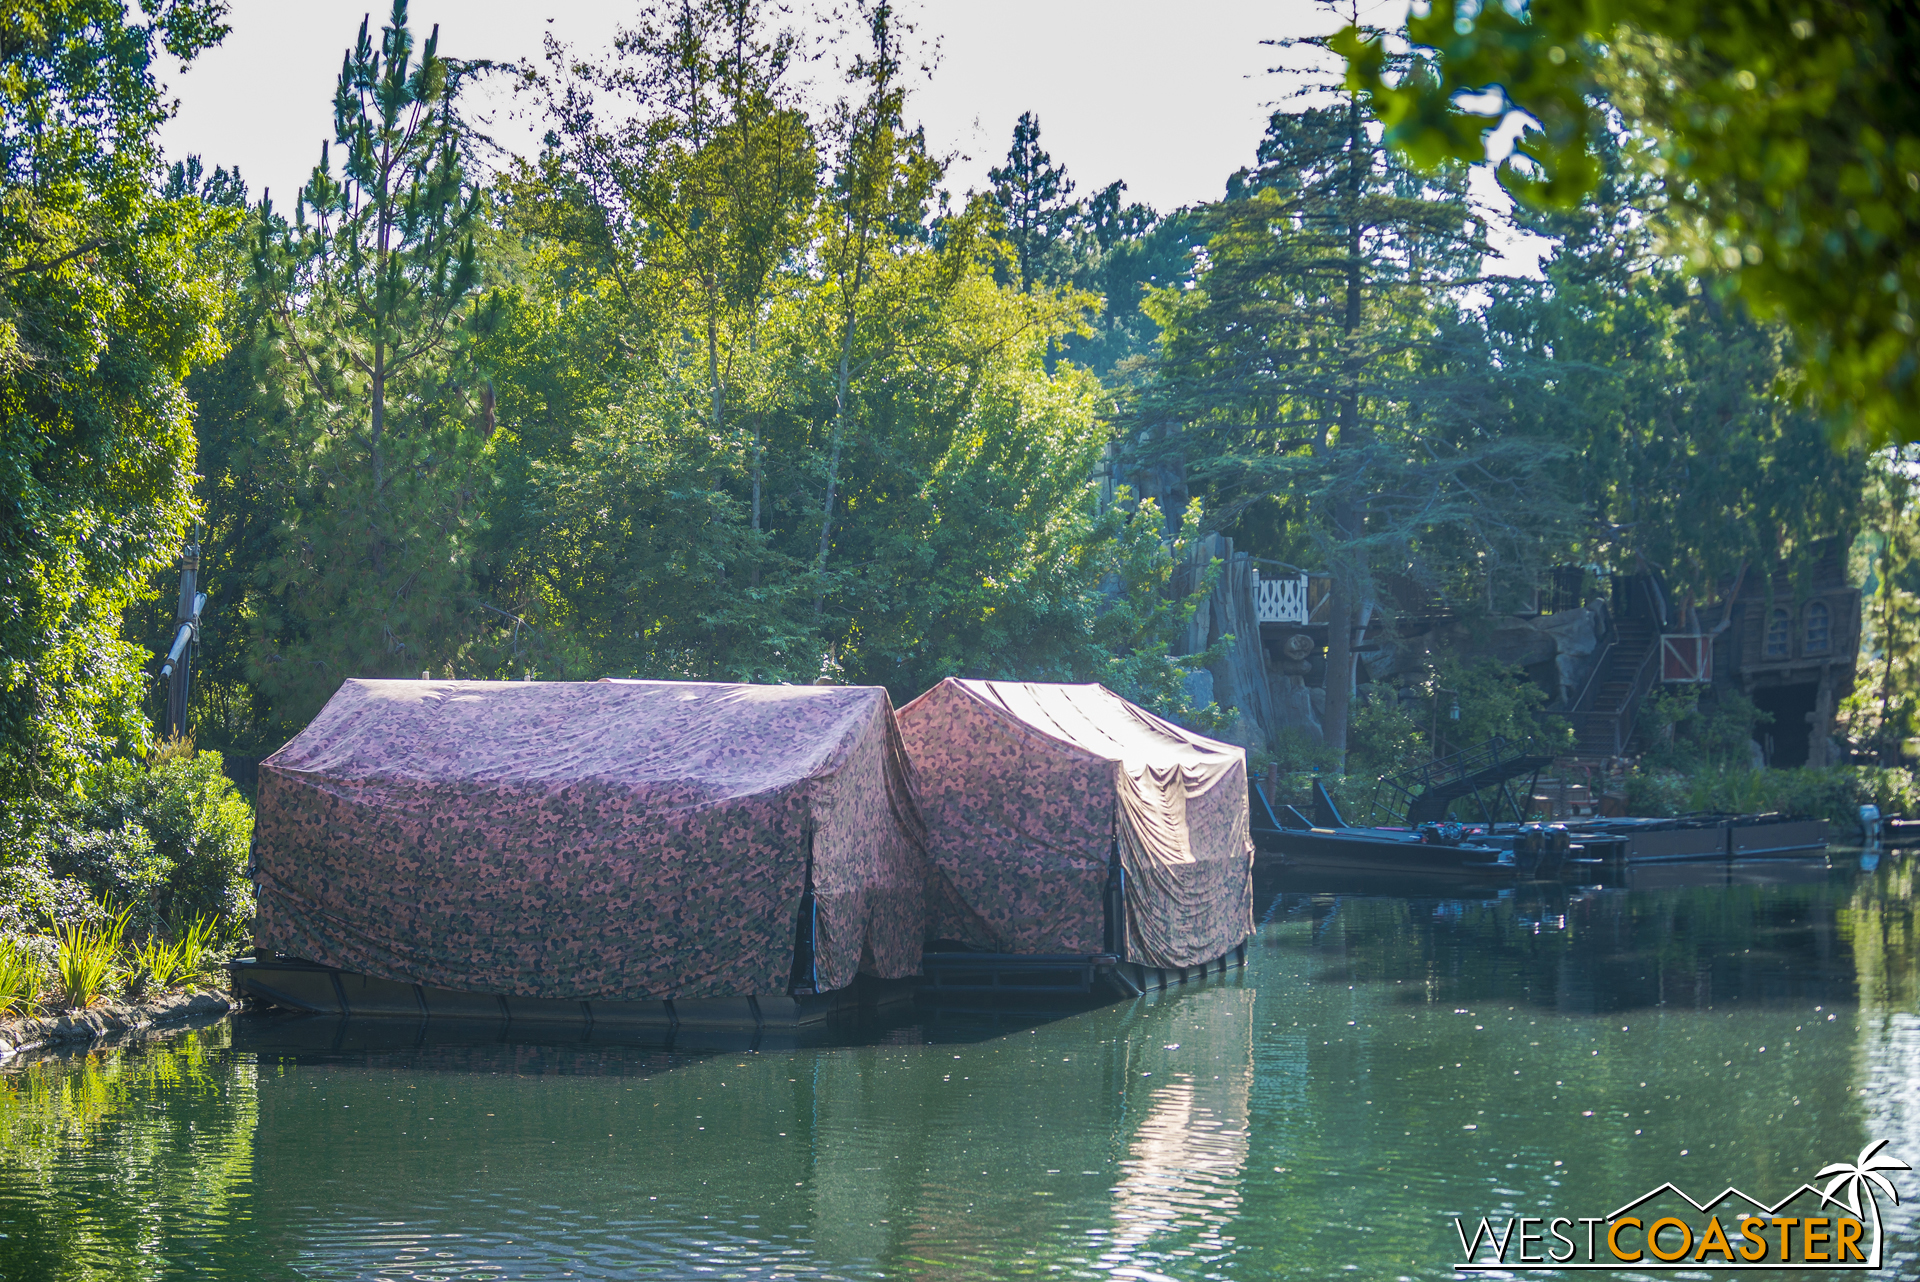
(653, 855)
(1059, 975)
(308, 987)
(643, 853)
(1081, 842)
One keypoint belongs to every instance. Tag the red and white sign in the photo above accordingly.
(1686, 657)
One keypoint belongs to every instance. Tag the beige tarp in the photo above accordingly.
(1024, 787)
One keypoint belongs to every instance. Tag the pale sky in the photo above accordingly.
(1171, 97)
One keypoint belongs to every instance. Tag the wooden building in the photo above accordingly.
(1790, 645)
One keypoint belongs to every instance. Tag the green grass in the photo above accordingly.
(85, 962)
(19, 978)
(196, 949)
(158, 964)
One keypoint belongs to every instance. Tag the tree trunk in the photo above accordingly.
(1242, 677)
(717, 390)
(1340, 610)
(379, 390)
(759, 458)
(1186, 581)
(1349, 510)
(842, 390)
(1889, 751)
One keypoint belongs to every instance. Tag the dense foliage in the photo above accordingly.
(104, 307)
(166, 839)
(716, 386)
(726, 382)
(1784, 136)
(382, 435)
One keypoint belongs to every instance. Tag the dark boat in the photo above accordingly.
(1688, 838)
(1328, 841)
(1586, 850)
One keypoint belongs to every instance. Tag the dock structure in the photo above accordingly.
(293, 984)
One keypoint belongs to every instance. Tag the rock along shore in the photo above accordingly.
(110, 1020)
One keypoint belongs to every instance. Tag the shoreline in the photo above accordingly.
(110, 1019)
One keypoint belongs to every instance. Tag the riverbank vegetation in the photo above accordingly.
(728, 381)
(133, 884)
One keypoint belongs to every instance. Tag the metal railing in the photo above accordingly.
(1487, 766)
(1630, 706)
(1582, 703)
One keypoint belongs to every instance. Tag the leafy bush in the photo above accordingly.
(117, 864)
(1383, 738)
(1835, 793)
(199, 824)
(1685, 731)
(166, 840)
(31, 895)
(1497, 700)
(1296, 751)
(1656, 793)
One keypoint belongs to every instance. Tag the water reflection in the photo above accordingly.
(1179, 1191)
(1383, 1064)
(110, 1162)
(1682, 936)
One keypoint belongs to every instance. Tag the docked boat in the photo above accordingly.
(1480, 779)
(1709, 837)
(1326, 841)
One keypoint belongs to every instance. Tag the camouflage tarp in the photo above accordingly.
(608, 840)
(1024, 786)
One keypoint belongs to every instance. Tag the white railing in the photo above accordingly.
(1280, 600)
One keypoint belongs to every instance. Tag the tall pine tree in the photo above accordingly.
(371, 292)
(1033, 195)
(1319, 370)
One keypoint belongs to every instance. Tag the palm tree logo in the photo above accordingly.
(1863, 1174)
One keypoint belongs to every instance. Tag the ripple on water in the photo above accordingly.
(1381, 1066)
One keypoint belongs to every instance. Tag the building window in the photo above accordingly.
(1779, 635)
(1819, 628)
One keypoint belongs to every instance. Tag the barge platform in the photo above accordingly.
(308, 987)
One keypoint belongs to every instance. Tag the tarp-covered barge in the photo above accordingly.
(1077, 827)
(613, 851)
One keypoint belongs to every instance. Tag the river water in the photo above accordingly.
(1382, 1065)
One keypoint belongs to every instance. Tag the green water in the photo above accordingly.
(1382, 1065)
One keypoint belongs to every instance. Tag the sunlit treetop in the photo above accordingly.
(1785, 133)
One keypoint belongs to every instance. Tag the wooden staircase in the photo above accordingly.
(1603, 716)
